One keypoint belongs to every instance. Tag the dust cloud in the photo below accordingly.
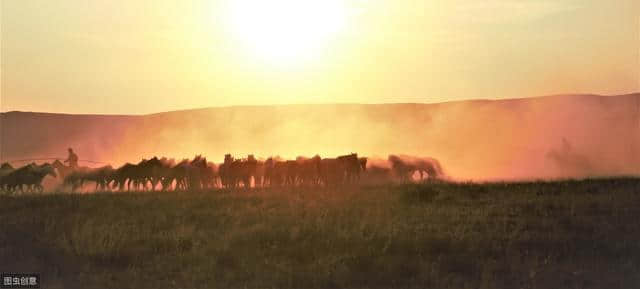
(569, 136)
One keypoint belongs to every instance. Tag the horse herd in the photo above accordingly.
(198, 173)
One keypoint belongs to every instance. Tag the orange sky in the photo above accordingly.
(134, 57)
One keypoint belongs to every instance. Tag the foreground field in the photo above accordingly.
(570, 234)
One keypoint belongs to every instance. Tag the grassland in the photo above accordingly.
(566, 234)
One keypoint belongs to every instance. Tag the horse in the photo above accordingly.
(274, 171)
(291, 172)
(5, 169)
(151, 171)
(242, 171)
(234, 172)
(225, 172)
(63, 171)
(125, 175)
(331, 171)
(210, 176)
(12, 179)
(351, 166)
(177, 173)
(30, 176)
(163, 173)
(102, 176)
(405, 166)
(308, 170)
(146, 171)
(260, 172)
(196, 172)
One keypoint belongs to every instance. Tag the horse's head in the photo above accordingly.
(48, 169)
(57, 164)
(199, 161)
(228, 158)
(154, 162)
(6, 166)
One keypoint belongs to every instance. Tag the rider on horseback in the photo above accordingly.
(72, 159)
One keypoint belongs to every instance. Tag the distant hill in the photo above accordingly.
(543, 137)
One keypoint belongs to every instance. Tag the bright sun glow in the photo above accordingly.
(286, 31)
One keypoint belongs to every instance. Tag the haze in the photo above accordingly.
(137, 57)
(548, 137)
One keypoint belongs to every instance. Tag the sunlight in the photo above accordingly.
(285, 32)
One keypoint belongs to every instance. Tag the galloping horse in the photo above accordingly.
(63, 171)
(351, 167)
(308, 170)
(405, 166)
(5, 169)
(101, 176)
(29, 176)
(234, 172)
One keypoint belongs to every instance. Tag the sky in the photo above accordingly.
(146, 56)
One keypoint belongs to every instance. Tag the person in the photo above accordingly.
(72, 159)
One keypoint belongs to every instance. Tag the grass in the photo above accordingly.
(565, 234)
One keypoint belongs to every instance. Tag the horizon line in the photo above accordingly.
(319, 103)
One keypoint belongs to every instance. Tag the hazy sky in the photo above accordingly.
(142, 56)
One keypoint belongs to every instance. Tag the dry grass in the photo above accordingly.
(569, 234)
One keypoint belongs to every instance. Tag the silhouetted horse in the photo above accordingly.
(196, 173)
(177, 174)
(100, 176)
(5, 169)
(29, 177)
(308, 170)
(225, 171)
(234, 172)
(351, 167)
(405, 166)
(63, 171)
(331, 171)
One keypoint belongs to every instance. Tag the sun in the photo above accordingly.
(286, 31)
